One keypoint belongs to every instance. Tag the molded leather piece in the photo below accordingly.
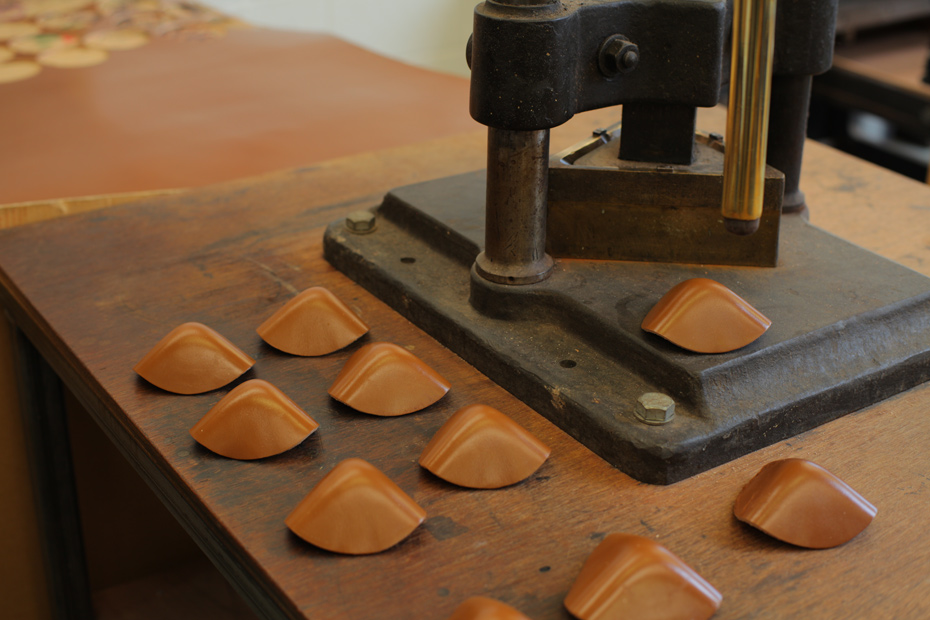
(481, 448)
(192, 359)
(630, 576)
(483, 608)
(384, 379)
(704, 316)
(355, 509)
(255, 420)
(802, 503)
(315, 322)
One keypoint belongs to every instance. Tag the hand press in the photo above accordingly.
(540, 271)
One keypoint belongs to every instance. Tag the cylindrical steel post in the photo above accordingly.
(747, 114)
(515, 223)
(791, 96)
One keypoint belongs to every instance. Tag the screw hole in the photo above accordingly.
(408, 260)
(545, 569)
(568, 363)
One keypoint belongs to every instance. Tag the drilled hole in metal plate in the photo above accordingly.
(568, 363)
(408, 259)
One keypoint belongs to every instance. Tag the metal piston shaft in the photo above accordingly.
(516, 208)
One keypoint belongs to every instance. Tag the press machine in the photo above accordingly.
(540, 270)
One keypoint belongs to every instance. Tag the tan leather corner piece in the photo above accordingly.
(802, 503)
(355, 509)
(483, 608)
(192, 359)
(630, 576)
(481, 448)
(254, 421)
(313, 323)
(704, 316)
(386, 380)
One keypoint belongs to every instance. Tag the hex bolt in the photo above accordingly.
(655, 408)
(617, 55)
(361, 222)
(630, 58)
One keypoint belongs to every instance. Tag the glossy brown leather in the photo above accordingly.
(481, 448)
(255, 420)
(630, 576)
(483, 608)
(704, 316)
(801, 503)
(185, 113)
(192, 359)
(387, 380)
(315, 322)
(355, 509)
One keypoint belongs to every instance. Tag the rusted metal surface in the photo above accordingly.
(535, 66)
(657, 132)
(515, 232)
(537, 63)
(849, 329)
(791, 95)
(604, 208)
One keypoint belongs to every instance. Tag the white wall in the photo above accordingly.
(427, 33)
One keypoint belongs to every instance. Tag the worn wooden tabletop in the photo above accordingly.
(96, 291)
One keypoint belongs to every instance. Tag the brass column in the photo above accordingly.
(748, 114)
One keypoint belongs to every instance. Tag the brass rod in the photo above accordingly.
(748, 114)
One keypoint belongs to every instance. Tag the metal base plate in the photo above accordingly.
(849, 329)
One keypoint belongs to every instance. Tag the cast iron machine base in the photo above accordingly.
(849, 329)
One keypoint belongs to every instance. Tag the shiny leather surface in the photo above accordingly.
(800, 502)
(483, 608)
(315, 322)
(481, 448)
(254, 421)
(705, 316)
(630, 576)
(384, 379)
(192, 359)
(355, 509)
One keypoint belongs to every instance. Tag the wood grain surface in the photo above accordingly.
(188, 113)
(96, 291)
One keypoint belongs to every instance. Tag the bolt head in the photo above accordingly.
(630, 58)
(617, 55)
(655, 408)
(361, 222)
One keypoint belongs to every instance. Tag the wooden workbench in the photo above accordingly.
(94, 292)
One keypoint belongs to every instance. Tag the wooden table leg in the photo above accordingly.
(46, 428)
